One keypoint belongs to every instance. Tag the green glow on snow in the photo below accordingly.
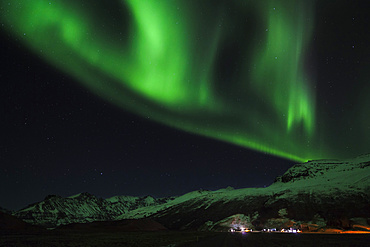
(162, 65)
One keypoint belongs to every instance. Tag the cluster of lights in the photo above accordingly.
(241, 230)
(290, 230)
(270, 230)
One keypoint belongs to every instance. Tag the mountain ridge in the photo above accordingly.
(84, 207)
(331, 192)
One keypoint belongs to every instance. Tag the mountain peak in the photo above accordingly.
(86, 194)
(82, 195)
(50, 197)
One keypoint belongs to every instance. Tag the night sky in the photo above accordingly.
(165, 97)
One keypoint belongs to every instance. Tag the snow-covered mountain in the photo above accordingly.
(314, 194)
(318, 193)
(81, 208)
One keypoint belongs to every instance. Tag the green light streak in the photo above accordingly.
(281, 65)
(164, 68)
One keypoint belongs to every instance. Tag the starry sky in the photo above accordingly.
(165, 97)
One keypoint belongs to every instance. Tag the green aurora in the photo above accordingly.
(170, 61)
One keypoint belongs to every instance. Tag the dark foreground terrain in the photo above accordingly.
(177, 238)
(282, 239)
(104, 239)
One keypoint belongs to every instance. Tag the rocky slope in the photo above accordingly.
(81, 208)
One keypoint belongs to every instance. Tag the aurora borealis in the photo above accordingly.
(244, 72)
(159, 67)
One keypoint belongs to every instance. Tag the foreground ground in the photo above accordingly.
(283, 239)
(172, 238)
(113, 239)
